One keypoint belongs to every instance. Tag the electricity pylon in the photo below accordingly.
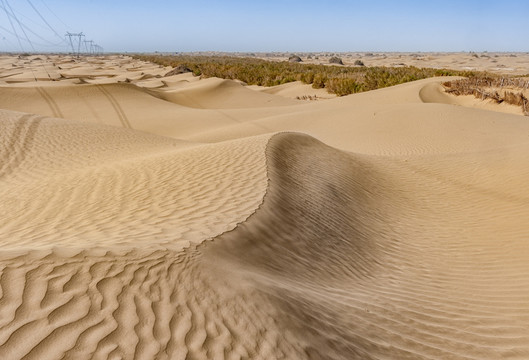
(89, 50)
(79, 37)
(98, 50)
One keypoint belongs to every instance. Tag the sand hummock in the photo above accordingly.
(152, 217)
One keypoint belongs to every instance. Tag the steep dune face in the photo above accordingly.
(366, 257)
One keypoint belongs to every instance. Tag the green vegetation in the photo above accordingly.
(339, 80)
(343, 86)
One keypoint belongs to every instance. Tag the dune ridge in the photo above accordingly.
(383, 287)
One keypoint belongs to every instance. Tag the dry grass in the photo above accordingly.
(511, 90)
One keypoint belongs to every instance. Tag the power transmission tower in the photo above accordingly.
(78, 41)
(98, 50)
(89, 50)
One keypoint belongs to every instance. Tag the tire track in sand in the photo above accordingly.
(115, 104)
(51, 103)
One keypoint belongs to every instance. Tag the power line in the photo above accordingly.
(33, 22)
(16, 34)
(12, 26)
(27, 38)
(34, 33)
(43, 19)
(54, 14)
(21, 31)
(11, 14)
(5, 39)
(24, 26)
(19, 24)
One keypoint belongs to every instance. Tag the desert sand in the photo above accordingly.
(152, 217)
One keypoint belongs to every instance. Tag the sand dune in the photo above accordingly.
(123, 105)
(217, 93)
(365, 260)
(295, 90)
(201, 219)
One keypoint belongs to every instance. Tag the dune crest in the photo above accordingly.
(361, 268)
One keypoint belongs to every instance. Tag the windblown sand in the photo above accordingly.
(151, 217)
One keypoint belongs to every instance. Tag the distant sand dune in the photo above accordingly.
(217, 93)
(208, 220)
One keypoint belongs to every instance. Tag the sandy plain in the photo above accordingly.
(152, 217)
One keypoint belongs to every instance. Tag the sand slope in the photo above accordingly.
(384, 225)
(390, 259)
(217, 93)
(154, 188)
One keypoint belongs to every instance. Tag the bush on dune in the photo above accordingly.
(511, 90)
(343, 86)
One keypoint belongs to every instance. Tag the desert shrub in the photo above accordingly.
(359, 63)
(319, 81)
(497, 88)
(307, 78)
(514, 98)
(343, 86)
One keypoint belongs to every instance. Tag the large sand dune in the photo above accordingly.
(174, 218)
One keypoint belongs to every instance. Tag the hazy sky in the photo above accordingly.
(273, 25)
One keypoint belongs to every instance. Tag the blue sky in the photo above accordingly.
(295, 25)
